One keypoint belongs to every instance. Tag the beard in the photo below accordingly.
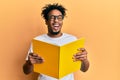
(54, 33)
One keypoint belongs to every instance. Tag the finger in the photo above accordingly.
(82, 53)
(31, 54)
(40, 61)
(81, 56)
(80, 59)
(36, 60)
(35, 55)
(38, 57)
(32, 58)
(82, 49)
(33, 61)
(78, 54)
(79, 50)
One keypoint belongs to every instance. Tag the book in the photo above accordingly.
(58, 59)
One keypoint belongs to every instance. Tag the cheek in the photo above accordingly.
(61, 23)
(48, 23)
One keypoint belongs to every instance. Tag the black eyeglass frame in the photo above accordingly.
(54, 17)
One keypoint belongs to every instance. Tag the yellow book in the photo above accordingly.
(58, 59)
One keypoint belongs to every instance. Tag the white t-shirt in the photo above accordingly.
(64, 39)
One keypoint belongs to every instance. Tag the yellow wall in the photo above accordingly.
(97, 20)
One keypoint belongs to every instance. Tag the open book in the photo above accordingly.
(58, 59)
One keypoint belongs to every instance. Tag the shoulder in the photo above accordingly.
(69, 36)
(40, 37)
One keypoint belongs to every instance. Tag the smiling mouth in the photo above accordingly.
(56, 27)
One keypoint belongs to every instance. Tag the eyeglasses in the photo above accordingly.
(53, 17)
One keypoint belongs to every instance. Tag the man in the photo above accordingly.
(54, 15)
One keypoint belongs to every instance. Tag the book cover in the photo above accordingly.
(58, 59)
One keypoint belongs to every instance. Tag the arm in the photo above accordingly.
(28, 67)
(84, 65)
(82, 56)
(32, 59)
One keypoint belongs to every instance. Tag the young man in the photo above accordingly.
(54, 15)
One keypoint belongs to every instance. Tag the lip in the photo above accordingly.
(56, 27)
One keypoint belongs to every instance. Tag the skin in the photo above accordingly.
(51, 24)
(54, 26)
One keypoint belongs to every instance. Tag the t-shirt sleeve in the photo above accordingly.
(29, 51)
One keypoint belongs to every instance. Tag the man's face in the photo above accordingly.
(54, 22)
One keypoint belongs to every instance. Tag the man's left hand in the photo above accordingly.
(81, 55)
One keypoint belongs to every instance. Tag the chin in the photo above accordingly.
(55, 33)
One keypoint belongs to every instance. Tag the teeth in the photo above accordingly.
(56, 25)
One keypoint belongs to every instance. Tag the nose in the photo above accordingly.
(56, 19)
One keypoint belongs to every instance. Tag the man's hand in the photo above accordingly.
(35, 58)
(81, 55)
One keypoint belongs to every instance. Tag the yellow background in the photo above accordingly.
(97, 20)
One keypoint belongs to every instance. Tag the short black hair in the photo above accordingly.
(49, 7)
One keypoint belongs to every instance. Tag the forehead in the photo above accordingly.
(54, 12)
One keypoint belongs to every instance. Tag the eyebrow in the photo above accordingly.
(56, 15)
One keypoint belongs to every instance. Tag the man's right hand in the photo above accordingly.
(35, 58)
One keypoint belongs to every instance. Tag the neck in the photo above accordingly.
(54, 36)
